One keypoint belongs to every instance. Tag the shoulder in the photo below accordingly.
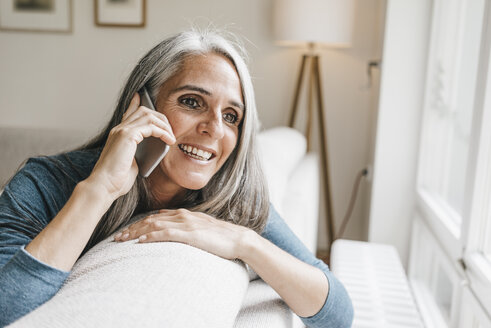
(45, 182)
(75, 165)
(78, 161)
(276, 227)
(61, 170)
(274, 219)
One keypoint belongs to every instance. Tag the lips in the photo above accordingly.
(197, 152)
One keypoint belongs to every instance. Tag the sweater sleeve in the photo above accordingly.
(337, 310)
(29, 201)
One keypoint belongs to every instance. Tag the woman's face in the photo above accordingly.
(203, 103)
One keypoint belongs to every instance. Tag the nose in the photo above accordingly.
(212, 124)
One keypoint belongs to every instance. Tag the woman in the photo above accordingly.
(209, 187)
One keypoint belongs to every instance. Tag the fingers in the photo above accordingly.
(154, 129)
(147, 122)
(142, 111)
(163, 221)
(134, 104)
(170, 234)
(145, 126)
(166, 228)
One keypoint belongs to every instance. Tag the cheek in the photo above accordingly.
(229, 143)
(178, 123)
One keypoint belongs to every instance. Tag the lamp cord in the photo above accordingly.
(351, 206)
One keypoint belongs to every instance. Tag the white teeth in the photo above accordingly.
(196, 153)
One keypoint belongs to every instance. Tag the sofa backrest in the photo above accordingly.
(292, 175)
(17, 144)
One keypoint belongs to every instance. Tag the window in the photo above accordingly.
(453, 222)
(486, 239)
(483, 233)
(451, 82)
(471, 314)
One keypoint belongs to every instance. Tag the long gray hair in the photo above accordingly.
(237, 192)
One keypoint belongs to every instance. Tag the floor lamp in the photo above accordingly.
(315, 24)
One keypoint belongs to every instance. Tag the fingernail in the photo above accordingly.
(126, 235)
(142, 238)
(118, 235)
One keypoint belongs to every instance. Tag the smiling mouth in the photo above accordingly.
(196, 153)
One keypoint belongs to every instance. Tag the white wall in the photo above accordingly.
(52, 80)
(398, 124)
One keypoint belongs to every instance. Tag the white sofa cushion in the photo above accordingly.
(281, 150)
(303, 189)
(145, 285)
(263, 307)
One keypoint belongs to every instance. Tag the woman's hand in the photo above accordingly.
(197, 229)
(116, 168)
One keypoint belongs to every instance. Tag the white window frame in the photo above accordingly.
(461, 246)
(472, 312)
(427, 257)
(478, 266)
(443, 220)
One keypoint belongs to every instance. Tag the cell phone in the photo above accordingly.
(150, 151)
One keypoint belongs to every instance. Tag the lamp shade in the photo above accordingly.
(322, 22)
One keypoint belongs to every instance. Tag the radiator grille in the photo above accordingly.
(376, 282)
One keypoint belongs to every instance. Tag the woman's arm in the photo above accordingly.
(62, 241)
(31, 275)
(270, 255)
(37, 251)
(278, 256)
(28, 278)
(112, 176)
(303, 287)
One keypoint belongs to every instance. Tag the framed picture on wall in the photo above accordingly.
(36, 15)
(120, 13)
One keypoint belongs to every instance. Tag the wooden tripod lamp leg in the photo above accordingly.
(310, 100)
(297, 91)
(315, 79)
(325, 162)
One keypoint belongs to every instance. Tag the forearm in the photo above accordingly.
(36, 273)
(303, 287)
(25, 284)
(62, 241)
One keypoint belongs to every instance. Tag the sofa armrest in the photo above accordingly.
(301, 201)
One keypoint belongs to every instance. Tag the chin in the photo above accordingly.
(193, 183)
(193, 186)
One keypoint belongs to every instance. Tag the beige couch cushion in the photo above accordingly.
(281, 150)
(263, 307)
(19, 143)
(146, 285)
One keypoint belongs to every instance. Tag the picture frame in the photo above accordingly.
(120, 13)
(36, 15)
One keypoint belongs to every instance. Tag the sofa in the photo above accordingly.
(120, 284)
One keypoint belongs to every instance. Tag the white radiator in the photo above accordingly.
(376, 282)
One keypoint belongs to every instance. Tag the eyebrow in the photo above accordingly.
(205, 92)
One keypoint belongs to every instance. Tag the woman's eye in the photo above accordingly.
(190, 102)
(231, 117)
